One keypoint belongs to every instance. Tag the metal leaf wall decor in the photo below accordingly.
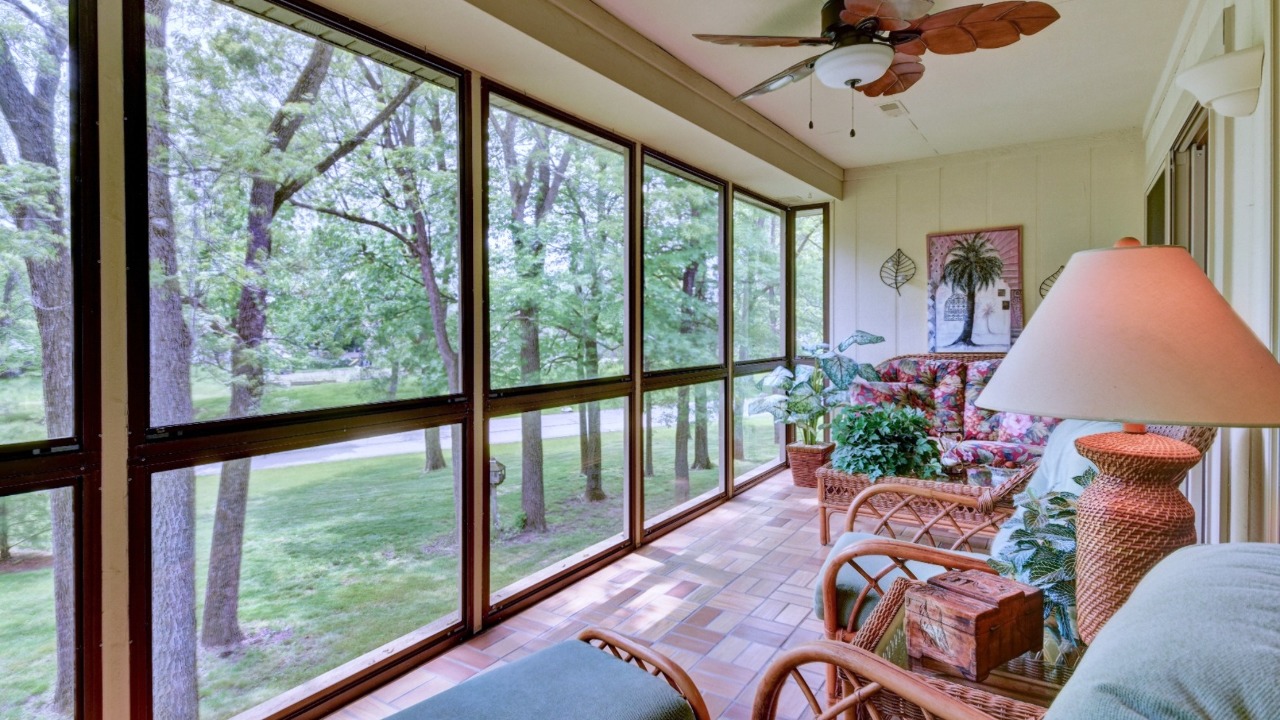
(897, 271)
(1047, 285)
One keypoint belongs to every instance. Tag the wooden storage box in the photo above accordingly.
(972, 622)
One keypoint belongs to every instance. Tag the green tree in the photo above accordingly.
(972, 265)
(33, 101)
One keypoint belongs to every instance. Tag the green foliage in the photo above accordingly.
(1042, 553)
(805, 398)
(881, 441)
(682, 274)
(810, 277)
(757, 281)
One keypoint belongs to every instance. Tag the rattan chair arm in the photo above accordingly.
(897, 552)
(875, 676)
(958, 493)
(652, 662)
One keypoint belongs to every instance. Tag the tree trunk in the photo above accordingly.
(435, 454)
(6, 553)
(174, 688)
(648, 437)
(701, 452)
(222, 591)
(591, 443)
(393, 385)
(592, 467)
(681, 484)
(535, 185)
(32, 116)
(221, 626)
(532, 500)
(739, 429)
(174, 684)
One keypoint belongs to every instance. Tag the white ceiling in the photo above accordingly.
(1093, 71)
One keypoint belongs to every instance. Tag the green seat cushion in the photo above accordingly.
(849, 582)
(1199, 638)
(569, 680)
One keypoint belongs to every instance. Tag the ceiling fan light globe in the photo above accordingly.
(861, 63)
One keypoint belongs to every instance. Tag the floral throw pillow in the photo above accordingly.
(993, 426)
(945, 380)
(899, 394)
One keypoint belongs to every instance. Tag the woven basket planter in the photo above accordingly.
(805, 461)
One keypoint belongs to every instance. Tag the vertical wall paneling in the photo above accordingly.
(1114, 172)
(1067, 195)
(876, 233)
(922, 193)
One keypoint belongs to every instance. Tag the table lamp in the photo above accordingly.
(1138, 335)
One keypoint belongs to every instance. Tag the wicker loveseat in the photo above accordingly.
(946, 387)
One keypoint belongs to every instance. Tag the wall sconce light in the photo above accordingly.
(1227, 84)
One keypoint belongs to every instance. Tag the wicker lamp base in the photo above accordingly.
(1129, 518)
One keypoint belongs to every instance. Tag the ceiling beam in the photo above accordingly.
(587, 34)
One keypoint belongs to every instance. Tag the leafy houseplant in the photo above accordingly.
(806, 397)
(1042, 552)
(884, 440)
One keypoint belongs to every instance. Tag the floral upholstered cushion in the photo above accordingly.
(1000, 427)
(901, 394)
(990, 452)
(945, 380)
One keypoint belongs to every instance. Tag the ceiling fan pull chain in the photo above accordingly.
(853, 109)
(810, 102)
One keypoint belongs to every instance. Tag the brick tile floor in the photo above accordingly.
(720, 596)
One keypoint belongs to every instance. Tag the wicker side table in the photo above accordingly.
(836, 491)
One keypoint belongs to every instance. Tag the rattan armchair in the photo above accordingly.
(870, 687)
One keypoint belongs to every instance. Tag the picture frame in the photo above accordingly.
(975, 289)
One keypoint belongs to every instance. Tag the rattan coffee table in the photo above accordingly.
(836, 491)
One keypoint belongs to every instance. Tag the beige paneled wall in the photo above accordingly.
(1067, 195)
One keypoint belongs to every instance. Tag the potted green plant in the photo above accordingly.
(1042, 552)
(806, 397)
(884, 441)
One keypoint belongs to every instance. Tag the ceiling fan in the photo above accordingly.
(876, 44)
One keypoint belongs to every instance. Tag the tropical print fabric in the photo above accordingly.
(998, 427)
(990, 453)
(945, 381)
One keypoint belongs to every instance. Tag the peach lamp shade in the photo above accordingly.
(1138, 334)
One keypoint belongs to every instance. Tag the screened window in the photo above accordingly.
(682, 439)
(304, 218)
(759, 282)
(37, 594)
(556, 251)
(810, 278)
(327, 555)
(757, 440)
(37, 280)
(555, 498)
(682, 272)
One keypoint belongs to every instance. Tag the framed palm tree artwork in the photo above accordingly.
(975, 290)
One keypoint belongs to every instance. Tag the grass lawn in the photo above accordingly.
(21, 409)
(28, 641)
(342, 557)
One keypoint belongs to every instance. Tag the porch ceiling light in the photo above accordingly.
(1228, 84)
(854, 64)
